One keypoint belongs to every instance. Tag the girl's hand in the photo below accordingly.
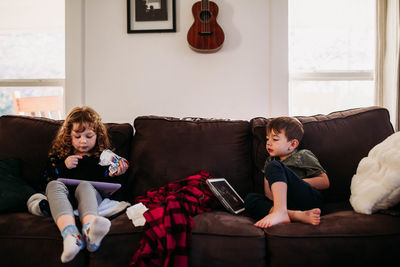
(72, 161)
(122, 168)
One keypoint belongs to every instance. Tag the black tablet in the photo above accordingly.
(229, 198)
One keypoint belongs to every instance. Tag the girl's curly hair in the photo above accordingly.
(85, 117)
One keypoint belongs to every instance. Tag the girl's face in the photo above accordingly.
(278, 145)
(83, 141)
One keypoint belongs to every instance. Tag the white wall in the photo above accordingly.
(127, 75)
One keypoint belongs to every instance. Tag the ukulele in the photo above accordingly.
(205, 35)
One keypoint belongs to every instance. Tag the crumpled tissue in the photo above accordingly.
(135, 213)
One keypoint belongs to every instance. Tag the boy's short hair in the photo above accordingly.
(291, 126)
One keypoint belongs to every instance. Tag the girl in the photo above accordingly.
(75, 154)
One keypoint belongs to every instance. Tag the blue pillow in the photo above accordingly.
(14, 192)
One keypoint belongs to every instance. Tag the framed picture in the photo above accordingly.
(151, 16)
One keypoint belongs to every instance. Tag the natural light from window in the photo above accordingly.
(32, 51)
(331, 55)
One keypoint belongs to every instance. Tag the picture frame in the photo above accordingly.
(146, 16)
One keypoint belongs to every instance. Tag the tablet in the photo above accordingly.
(226, 194)
(105, 189)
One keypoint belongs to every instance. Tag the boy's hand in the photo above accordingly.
(122, 168)
(72, 161)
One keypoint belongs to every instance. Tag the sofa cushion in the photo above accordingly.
(225, 224)
(119, 245)
(222, 239)
(39, 242)
(339, 140)
(29, 138)
(343, 238)
(14, 192)
(168, 149)
(29, 240)
(258, 129)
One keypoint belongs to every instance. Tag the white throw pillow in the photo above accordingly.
(376, 184)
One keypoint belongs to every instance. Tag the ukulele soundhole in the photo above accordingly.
(205, 16)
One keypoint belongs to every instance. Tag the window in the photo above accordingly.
(331, 55)
(32, 53)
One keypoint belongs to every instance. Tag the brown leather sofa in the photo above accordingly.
(162, 150)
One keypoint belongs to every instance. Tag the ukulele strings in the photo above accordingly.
(205, 17)
(208, 17)
(203, 8)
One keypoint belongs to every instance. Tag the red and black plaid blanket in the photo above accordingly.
(169, 221)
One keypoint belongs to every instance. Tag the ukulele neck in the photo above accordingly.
(205, 5)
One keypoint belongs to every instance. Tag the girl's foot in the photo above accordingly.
(95, 231)
(72, 243)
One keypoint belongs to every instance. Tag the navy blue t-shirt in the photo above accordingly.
(88, 168)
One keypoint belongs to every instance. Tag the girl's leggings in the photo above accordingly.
(300, 194)
(58, 196)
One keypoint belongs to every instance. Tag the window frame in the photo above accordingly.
(356, 75)
(32, 83)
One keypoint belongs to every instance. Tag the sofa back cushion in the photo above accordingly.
(30, 138)
(339, 140)
(167, 149)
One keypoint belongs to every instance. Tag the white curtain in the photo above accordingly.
(387, 57)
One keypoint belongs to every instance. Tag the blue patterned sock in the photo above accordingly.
(95, 231)
(73, 242)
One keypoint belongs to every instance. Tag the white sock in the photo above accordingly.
(73, 243)
(33, 204)
(95, 231)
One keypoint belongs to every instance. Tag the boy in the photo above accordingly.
(292, 179)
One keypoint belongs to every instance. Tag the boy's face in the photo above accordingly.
(83, 140)
(279, 146)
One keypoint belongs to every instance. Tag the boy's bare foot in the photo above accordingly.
(273, 219)
(308, 216)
